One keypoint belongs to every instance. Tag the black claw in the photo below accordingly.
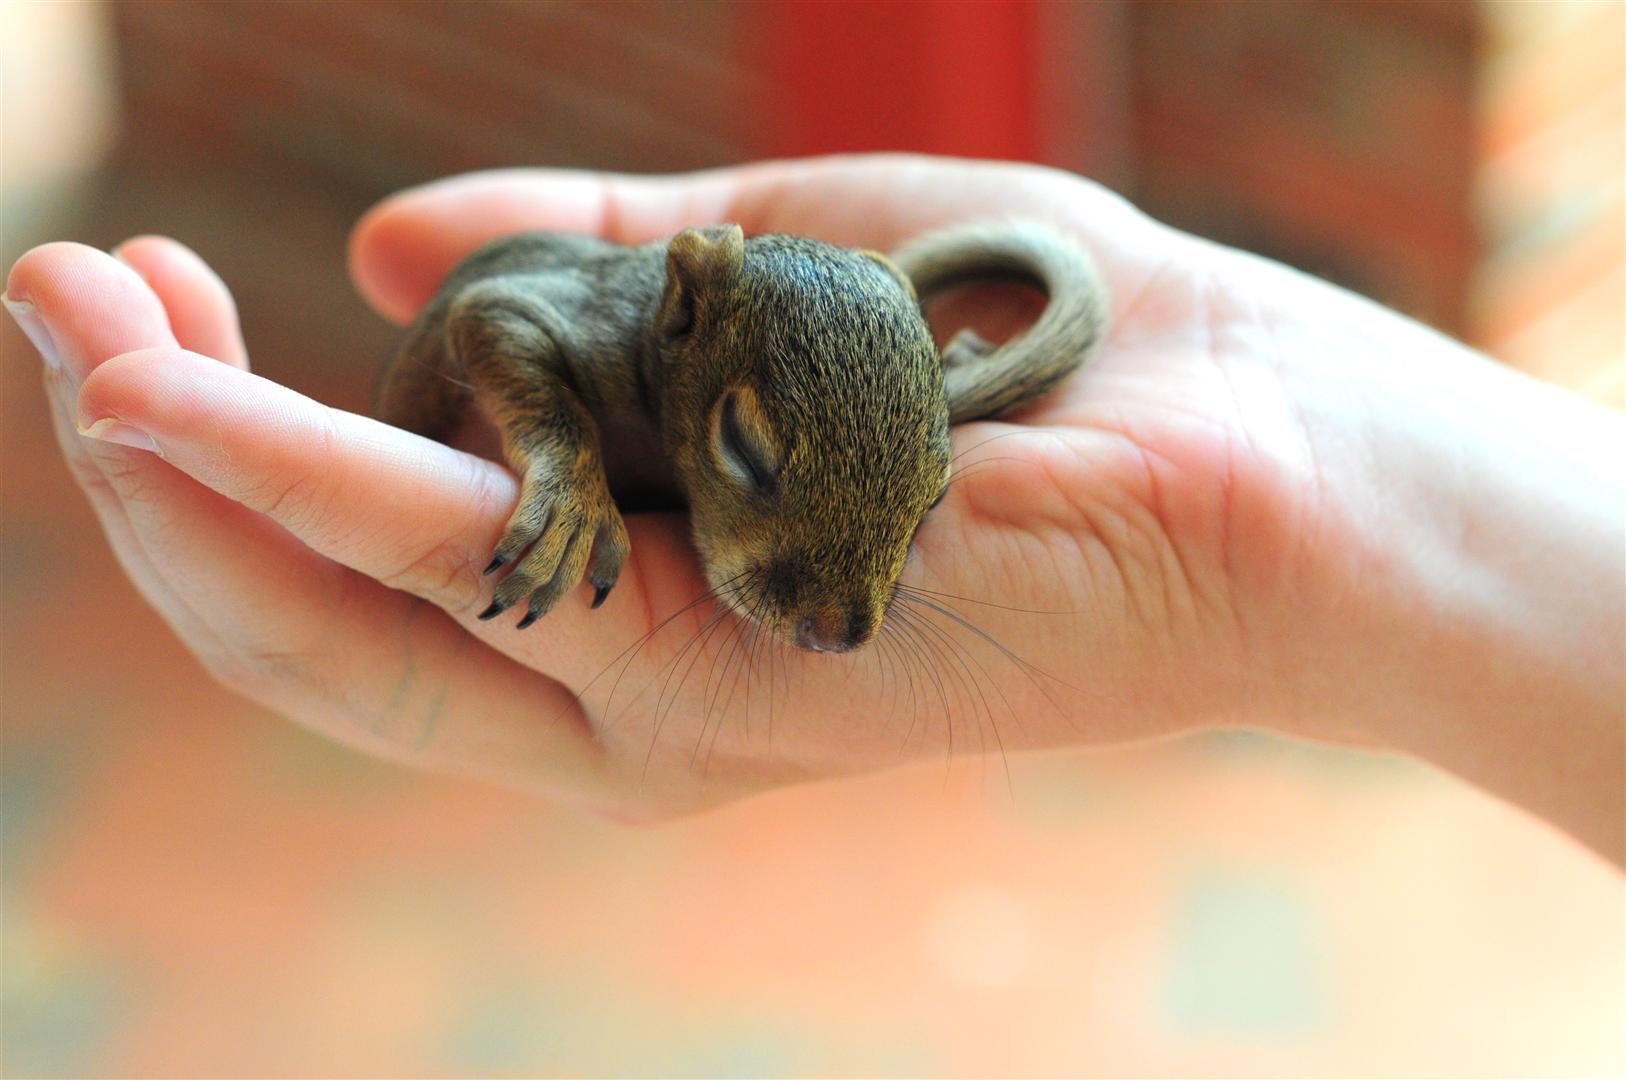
(530, 617)
(599, 593)
(497, 607)
(497, 563)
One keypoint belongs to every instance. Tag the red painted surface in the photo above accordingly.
(936, 76)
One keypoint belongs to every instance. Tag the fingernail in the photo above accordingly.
(114, 430)
(34, 327)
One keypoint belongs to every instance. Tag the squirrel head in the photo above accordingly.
(804, 413)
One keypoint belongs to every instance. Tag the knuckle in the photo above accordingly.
(303, 500)
(244, 673)
(297, 503)
(442, 574)
(446, 571)
(272, 675)
(88, 475)
(129, 476)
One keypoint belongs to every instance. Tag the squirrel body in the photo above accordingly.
(786, 390)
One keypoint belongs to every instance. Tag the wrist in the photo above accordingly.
(1475, 614)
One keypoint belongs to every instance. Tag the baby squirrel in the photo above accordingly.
(787, 390)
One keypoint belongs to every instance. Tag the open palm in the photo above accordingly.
(1099, 571)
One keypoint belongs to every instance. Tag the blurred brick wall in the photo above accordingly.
(1338, 136)
(389, 92)
(383, 94)
(1335, 136)
(258, 131)
(1460, 162)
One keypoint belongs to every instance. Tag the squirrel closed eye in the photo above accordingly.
(787, 391)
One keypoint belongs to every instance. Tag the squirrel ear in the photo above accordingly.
(892, 268)
(701, 265)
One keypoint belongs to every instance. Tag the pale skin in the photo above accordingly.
(1266, 503)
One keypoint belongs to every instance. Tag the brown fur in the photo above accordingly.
(791, 386)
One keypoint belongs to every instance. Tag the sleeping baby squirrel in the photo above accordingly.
(786, 390)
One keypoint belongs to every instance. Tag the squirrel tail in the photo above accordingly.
(984, 380)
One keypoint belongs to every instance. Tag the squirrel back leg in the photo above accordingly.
(965, 348)
(506, 341)
(422, 391)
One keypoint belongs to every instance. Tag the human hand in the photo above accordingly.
(1173, 532)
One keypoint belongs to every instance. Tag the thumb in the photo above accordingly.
(405, 246)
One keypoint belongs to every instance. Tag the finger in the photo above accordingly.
(124, 315)
(263, 612)
(88, 305)
(403, 248)
(201, 311)
(408, 512)
(378, 505)
(77, 451)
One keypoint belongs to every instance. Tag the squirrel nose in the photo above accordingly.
(829, 632)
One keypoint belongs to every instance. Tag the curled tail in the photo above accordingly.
(983, 380)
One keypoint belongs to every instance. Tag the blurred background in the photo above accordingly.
(193, 887)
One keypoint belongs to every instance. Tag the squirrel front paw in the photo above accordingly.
(561, 520)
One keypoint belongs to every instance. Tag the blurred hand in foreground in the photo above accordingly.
(1266, 502)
